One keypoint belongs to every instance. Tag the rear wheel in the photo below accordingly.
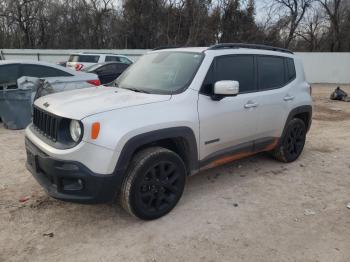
(153, 184)
(292, 143)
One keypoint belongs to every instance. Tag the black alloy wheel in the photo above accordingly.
(160, 187)
(295, 140)
(292, 143)
(154, 183)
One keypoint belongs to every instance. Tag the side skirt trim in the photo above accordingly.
(237, 152)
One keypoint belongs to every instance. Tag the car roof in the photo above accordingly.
(88, 53)
(111, 62)
(34, 62)
(231, 48)
(98, 65)
(182, 49)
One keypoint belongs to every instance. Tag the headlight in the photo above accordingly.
(75, 130)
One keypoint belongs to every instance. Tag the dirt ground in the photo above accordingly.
(254, 209)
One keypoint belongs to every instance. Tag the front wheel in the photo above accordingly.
(153, 184)
(292, 143)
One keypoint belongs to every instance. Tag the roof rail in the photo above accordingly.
(251, 46)
(99, 53)
(165, 47)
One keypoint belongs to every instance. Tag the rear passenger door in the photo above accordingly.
(228, 126)
(275, 86)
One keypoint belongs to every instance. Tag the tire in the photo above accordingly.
(153, 184)
(292, 143)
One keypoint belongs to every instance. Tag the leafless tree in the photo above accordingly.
(295, 12)
(313, 30)
(336, 15)
(315, 25)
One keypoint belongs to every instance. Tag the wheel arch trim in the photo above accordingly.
(134, 143)
(299, 110)
(296, 111)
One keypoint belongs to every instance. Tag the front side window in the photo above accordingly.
(164, 72)
(42, 71)
(233, 67)
(271, 72)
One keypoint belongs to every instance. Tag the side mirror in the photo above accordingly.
(225, 88)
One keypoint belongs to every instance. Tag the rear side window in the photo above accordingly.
(42, 71)
(9, 73)
(107, 69)
(112, 58)
(271, 72)
(290, 69)
(120, 67)
(84, 58)
(237, 67)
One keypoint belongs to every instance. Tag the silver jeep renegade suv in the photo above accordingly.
(171, 114)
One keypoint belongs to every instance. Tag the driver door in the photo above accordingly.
(229, 125)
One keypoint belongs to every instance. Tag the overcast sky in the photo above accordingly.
(260, 11)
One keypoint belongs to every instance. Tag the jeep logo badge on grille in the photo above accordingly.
(46, 104)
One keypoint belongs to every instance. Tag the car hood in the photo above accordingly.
(78, 104)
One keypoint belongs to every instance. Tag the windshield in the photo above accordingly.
(161, 73)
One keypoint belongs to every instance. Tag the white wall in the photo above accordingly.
(60, 55)
(319, 67)
(326, 67)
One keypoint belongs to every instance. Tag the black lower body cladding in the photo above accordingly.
(71, 181)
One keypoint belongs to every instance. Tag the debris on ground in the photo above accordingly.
(24, 199)
(339, 94)
(348, 206)
(3, 186)
(51, 234)
(309, 212)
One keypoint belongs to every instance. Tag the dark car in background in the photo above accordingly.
(107, 72)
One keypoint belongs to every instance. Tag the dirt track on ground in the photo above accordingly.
(255, 209)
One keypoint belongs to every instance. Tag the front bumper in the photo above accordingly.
(71, 180)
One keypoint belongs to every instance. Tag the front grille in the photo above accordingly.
(45, 123)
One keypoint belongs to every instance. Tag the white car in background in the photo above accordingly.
(12, 70)
(79, 61)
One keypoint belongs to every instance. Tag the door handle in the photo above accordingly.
(250, 105)
(288, 98)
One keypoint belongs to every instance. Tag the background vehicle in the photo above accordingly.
(11, 71)
(173, 113)
(107, 72)
(82, 60)
(63, 63)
